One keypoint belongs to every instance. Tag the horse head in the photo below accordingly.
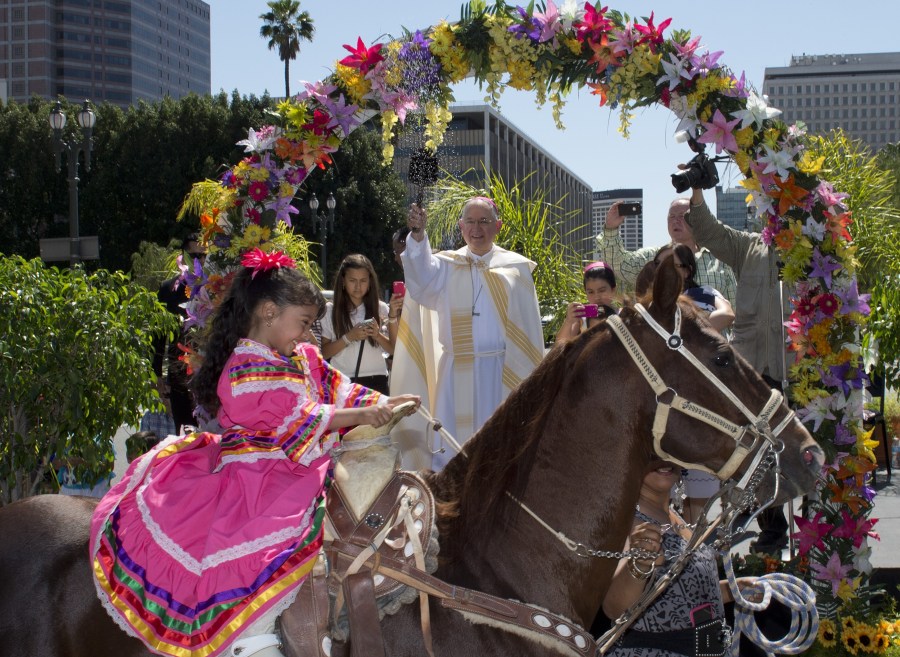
(704, 382)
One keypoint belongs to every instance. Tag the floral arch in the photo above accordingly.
(626, 63)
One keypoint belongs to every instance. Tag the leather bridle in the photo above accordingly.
(748, 438)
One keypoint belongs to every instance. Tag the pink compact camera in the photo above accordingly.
(590, 310)
(399, 288)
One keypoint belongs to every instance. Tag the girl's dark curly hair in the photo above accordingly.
(343, 305)
(232, 321)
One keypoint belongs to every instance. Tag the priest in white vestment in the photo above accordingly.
(470, 331)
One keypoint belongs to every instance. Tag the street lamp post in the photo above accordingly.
(324, 223)
(86, 120)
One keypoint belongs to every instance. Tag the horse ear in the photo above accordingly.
(666, 287)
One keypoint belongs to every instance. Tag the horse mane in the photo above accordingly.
(501, 454)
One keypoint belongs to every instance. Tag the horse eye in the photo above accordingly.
(722, 360)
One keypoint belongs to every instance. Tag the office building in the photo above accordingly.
(632, 229)
(731, 209)
(857, 93)
(118, 52)
(480, 142)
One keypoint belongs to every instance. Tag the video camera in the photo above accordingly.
(700, 172)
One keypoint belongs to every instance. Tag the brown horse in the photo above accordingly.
(572, 443)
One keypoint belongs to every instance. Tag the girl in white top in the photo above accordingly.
(352, 326)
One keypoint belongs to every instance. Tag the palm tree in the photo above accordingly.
(284, 25)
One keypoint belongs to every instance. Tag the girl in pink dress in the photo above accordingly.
(208, 537)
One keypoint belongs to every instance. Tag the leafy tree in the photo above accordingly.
(284, 25)
(33, 196)
(75, 352)
(532, 226)
(144, 162)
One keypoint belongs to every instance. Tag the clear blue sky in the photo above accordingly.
(752, 35)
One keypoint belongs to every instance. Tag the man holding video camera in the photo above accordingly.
(757, 332)
(628, 264)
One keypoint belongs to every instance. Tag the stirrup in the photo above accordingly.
(260, 645)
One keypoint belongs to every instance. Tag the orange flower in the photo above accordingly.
(189, 357)
(599, 90)
(788, 194)
(857, 467)
(209, 225)
(785, 239)
(837, 226)
(287, 150)
(841, 495)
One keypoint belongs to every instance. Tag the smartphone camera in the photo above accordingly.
(630, 209)
(399, 288)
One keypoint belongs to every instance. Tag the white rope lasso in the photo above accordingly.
(789, 590)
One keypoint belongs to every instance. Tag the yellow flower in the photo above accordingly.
(847, 623)
(865, 635)
(827, 635)
(254, 234)
(353, 81)
(260, 175)
(744, 137)
(451, 55)
(811, 164)
(393, 71)
(851, 643)
(437, 118)
(847, 589)
(573, 44)
(865, 444)
(882, 642)
(818, 334)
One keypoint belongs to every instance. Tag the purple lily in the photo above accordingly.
(823, 266)
(851, 300)
(530, 27)
(342, 114)
(283, 208)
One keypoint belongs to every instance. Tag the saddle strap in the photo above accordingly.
(305, 623)
(365, 627)
(518, 617)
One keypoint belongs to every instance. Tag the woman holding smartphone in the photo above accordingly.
(353, 340)
(600, 290)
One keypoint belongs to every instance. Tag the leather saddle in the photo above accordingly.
(372, 510)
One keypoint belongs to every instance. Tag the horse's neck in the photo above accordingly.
(526, 561)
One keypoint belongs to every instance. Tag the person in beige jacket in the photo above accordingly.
(758, 330)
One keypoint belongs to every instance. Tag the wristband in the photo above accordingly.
(392, 321)
(345, 339)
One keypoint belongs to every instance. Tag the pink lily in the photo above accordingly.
(811, 533)
(833, 572)
(720, 132)
(855, 528)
